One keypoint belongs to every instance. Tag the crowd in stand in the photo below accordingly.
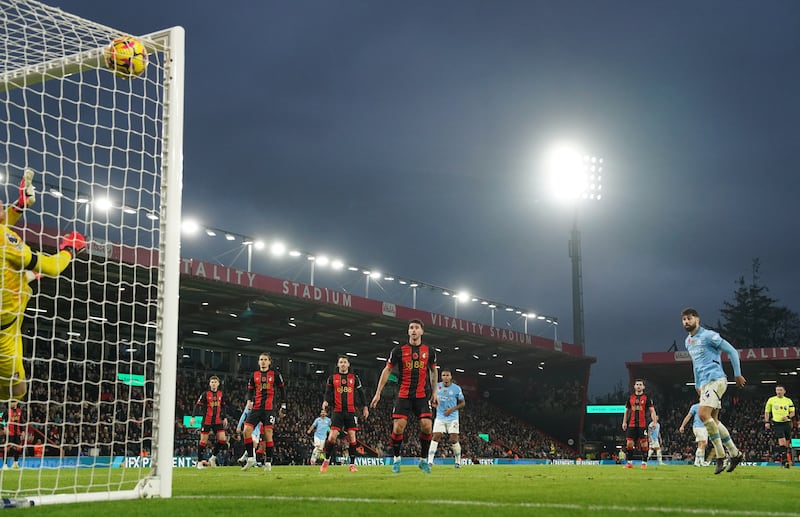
(81, 408)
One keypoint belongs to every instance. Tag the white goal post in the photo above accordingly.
(99, 340)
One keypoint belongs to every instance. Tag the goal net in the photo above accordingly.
(98, 340)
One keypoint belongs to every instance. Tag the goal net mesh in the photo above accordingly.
(91, 338)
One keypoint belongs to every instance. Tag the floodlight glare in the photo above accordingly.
(189, 226)
(277, 248)
(323, 261)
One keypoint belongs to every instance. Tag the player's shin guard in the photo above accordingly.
(201, 452)
(457, 452)
(352, 451)
(725, 438)
(330, 450)
(424, 445)
(397, 444)
(714, 438)
(268, 448)
(432, 450)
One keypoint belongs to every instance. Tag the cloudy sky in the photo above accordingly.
(409, 136)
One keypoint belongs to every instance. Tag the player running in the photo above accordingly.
(320, 427)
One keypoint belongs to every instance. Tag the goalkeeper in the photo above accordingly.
(18, 266)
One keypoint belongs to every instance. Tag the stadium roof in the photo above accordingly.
(110, 298)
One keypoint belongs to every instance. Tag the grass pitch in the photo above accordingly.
(475, 490)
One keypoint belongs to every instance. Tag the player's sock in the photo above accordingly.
(424, 445)
(782, 452)
(649, 454)
(714, 438)
(456, 452)
(727, 442)
(330, 451)
(248, 447)
(397, 444)
(269, 446)
(201, 452)
(432, 450)
(352, 451)
(658, 456)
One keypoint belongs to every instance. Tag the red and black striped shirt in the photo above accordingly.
(210, 405)
(14, 422)
(344, 393)
(638, 406)
(415, 364)
(261, 389)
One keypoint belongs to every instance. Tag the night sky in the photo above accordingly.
(410, 136)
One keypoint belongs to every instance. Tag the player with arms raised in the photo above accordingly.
(416, 393)
(343, 393)
(212, 406)
(262, 388)
(18, 266)
(451, 401)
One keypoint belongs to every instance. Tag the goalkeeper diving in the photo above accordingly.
(18, 266)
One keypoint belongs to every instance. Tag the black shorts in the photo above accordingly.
(781, 430)
(344, 421)
(636, 433)
(15, 439)
(404, 408)
(265, 417)
(212, 428)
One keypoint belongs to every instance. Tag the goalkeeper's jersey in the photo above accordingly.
(15, 291)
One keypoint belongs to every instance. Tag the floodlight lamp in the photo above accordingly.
(259, 245)
(277, 248)
(375, 274)
(190, 226)
(463, 297)
(210, 232)
(102, 203)
(323, 261)
(229, 237)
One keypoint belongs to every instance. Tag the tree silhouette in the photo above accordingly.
(754, 319)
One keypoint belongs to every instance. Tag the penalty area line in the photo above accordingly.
(498, 504)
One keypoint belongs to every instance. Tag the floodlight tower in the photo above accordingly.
(576, 177)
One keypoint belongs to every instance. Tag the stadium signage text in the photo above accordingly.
(476, 328)
(217, 272)
(318, 294)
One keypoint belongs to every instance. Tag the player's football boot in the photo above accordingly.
(324, 466)
(15, 465)
(242, 459)
(5, 466)
(200, 465)
(424, 466)
(735, 461)
(353, 468)
(628, 465)
(267, 466)
(212, 461)
(396, 467)
(457, 465)
(720, 465)
(249, 463)
(644, 465)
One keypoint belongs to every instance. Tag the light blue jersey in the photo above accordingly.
(652, 432)
(322, 426)
(696, 422)
(706, 348)
(256, 430)
(449, 396)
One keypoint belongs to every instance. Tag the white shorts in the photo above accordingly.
(655, 445)
(441, 426)
(700, 434)
(319, 443)
(711, 393)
